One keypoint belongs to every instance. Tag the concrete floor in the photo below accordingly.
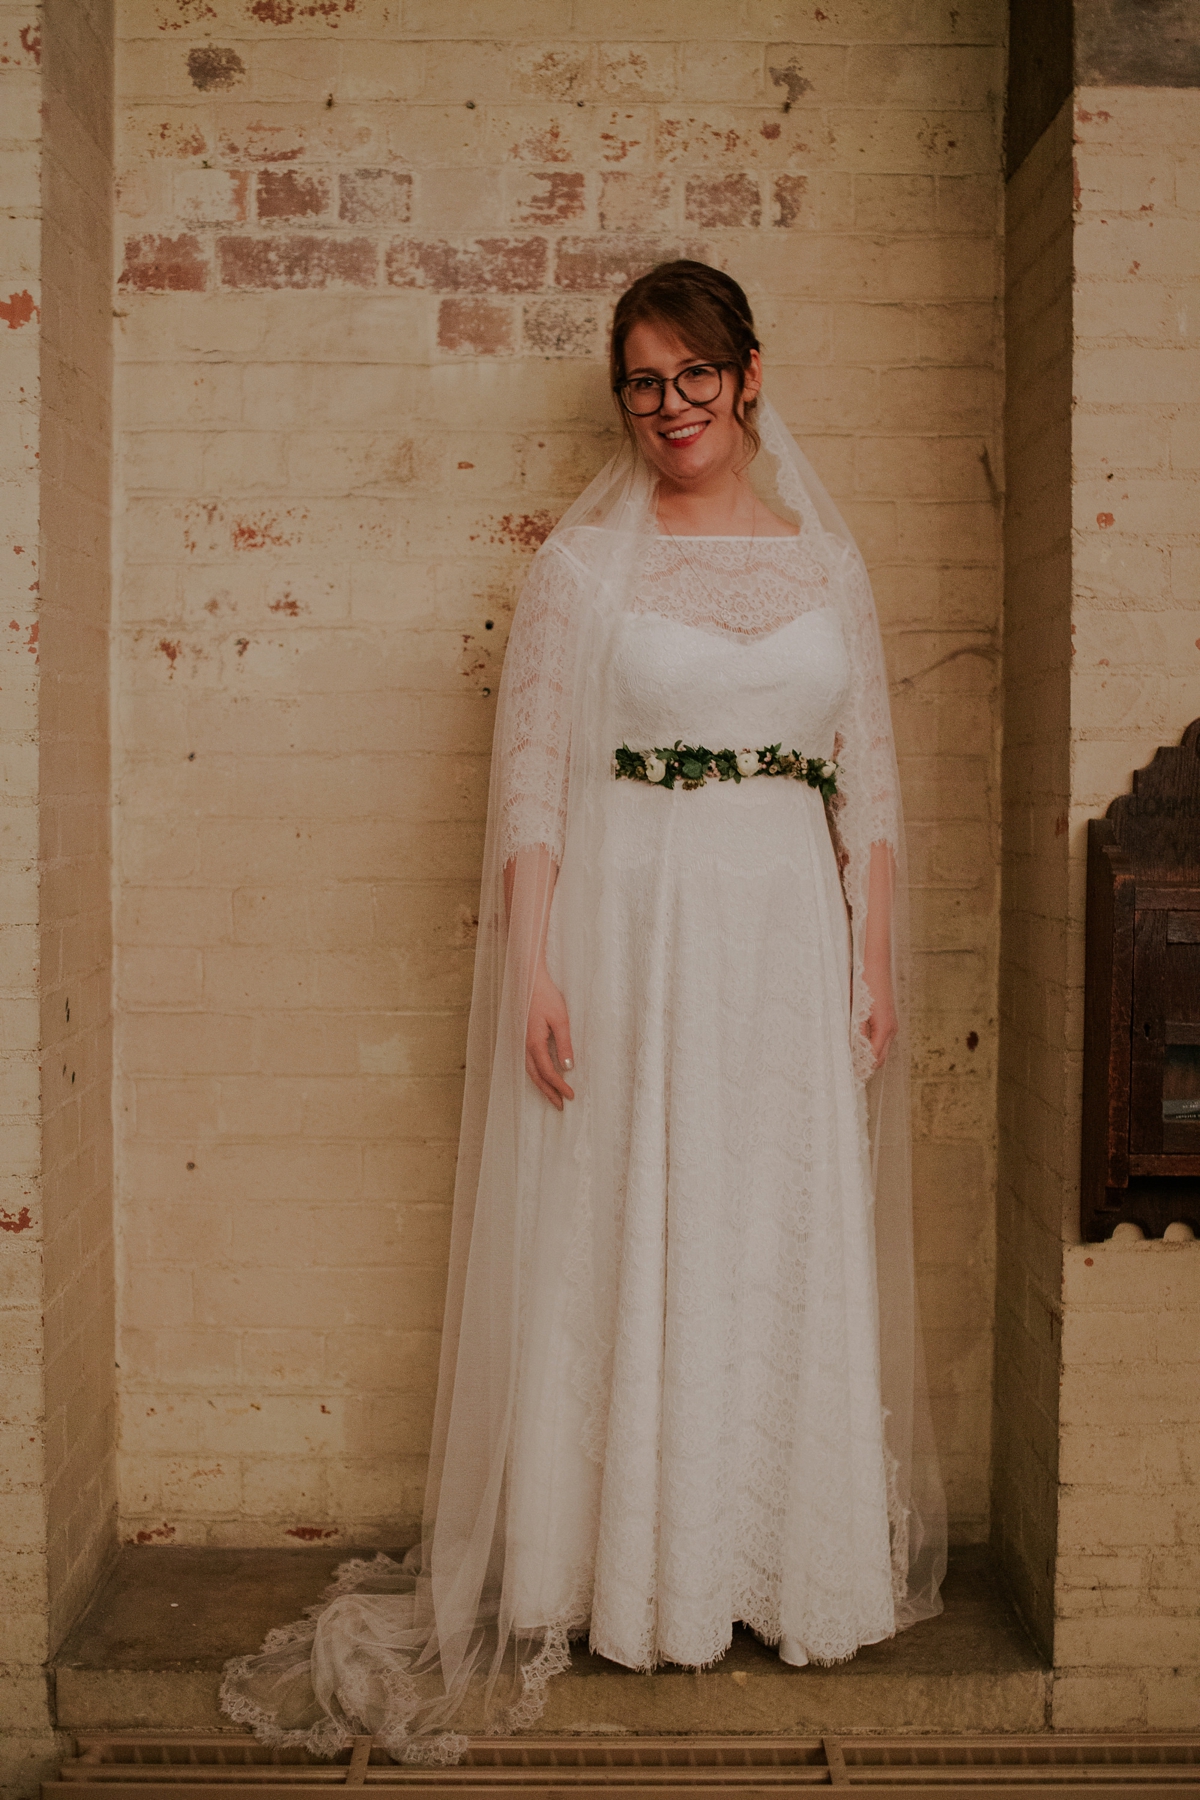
(148, 1653)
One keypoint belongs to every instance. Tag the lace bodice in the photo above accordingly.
(730, 639)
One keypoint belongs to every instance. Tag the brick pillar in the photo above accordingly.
(1096, 1488)
(57, 1407)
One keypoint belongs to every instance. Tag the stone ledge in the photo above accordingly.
(148, 1653)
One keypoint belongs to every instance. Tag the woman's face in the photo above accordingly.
(688, 444)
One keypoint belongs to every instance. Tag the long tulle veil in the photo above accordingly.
(422, 1653)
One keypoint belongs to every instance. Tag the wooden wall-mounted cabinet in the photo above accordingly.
(1141, 1059)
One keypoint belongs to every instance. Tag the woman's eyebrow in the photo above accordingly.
(685, 362)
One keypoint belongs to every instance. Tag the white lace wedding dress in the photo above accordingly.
(700, 1440)
(673, 1393)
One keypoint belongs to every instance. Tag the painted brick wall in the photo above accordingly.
(1038, 1108)
(57, 1384)
(367, 256)
(1127, 1639)
(25, 1740)
(75, 946)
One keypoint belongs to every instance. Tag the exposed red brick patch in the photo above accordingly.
(30, 37)
(18, 1221)
(1061, 825)
(714, 201)
(480, 326)
(262, 533)
(211, 67)
(375, 197)
(633, 202)
(18, 309)
(172, 138)
(164, 265)
(296, 262)
(550, 199)
(586, 264)
(157, 1534)
(170, 651)
(286, 194)
(286, 604)
(1104, 520)
(489, 265)
(286, 12)
(561, 327)
(791, 196)
(525, 531)
(261, 140)
(770, 129)
(311, 1534)
(174, 15)
(550, 144)
(1076, 184)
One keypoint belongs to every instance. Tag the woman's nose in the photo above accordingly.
(673, 401)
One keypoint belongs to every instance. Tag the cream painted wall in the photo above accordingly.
(1097, 1480)
(368, 256)
(57, 1291)
(1127, 1637)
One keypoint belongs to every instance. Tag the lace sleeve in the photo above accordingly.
(533, 728)
(868, 809)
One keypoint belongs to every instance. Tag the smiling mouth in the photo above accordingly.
(683, 433)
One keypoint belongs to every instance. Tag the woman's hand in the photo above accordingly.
(881, 1024)
(548, 1041)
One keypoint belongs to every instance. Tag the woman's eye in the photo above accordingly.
(642, 384)
(700, 370)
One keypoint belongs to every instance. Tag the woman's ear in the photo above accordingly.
(753, 379)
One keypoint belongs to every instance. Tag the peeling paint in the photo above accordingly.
(18, 309)
(211, 67)
(257, 534)
(157, 1534)
(311, 1534)
(526, 531)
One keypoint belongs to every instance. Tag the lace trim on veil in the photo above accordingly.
(402, 1700)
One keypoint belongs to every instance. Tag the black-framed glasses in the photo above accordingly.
(643, 395)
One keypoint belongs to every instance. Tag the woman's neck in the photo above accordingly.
(721, 508)
(726, 509)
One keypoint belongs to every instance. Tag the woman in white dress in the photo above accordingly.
(681, 1383)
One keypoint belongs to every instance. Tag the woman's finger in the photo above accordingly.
(541, 1065)
(561, 1028)
(547, 1093)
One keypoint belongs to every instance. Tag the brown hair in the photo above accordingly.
(707, 310)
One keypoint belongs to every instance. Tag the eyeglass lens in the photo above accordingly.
(644, 394)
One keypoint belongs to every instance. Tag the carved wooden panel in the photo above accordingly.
(1141, 1071)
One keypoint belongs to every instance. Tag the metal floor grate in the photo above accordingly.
(144, 1766)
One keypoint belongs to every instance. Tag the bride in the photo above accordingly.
(681, 1384)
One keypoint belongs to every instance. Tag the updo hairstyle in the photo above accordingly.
(707, 311)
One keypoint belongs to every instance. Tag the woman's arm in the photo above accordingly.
(529, 879)
(881, 1024)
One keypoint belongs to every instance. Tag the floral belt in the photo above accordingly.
(692, 766)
